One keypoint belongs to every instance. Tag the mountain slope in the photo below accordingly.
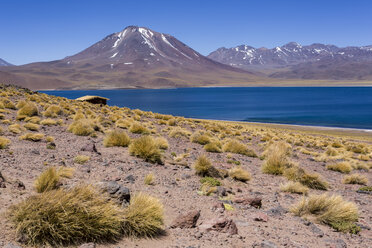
(136, 57)
(316, 61)
(4, 63)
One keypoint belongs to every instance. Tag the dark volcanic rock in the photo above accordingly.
(187, 220)
(116, 191)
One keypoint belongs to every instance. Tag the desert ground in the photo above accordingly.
(221, 184)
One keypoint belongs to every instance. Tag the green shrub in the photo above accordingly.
(210, 181)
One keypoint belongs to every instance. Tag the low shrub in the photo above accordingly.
(294, 187)
(330, 210)
(116, 138)
(145, 147)
(144, 217)
(237, 147)
(239, 174)
(81, 159)
(64, 217)
(32, 137)
(50, 178)
(4, 142)
(343, 167)
(355, 179)
(210, 181)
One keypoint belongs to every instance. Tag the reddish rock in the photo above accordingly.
(187, 220)
(220, 224)
(219, 207)
(260, 217)
(254, 202)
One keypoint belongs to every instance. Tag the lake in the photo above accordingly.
(319, 106)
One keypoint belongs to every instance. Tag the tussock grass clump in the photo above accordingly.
(297, 174)
(235, 146)
(121, 123)
(8, 103)
(138, 128)
(202, 165)
(32, 137)
(53, 111)
(28, 109)
(213, 146)
(4, 142)
(15, 128)
(50, 178)
(145, 147)
(116, 138)
(277, 159)
(355, 179)
(239, 174)
(49, 139)
(343, 167)
(200, 138)
(294, 187)
(144, 217)
(330, 210)
(31, 126)
(48, 122)
(81, 127)
(64, 217)
(210, 181)
(162, 143)
(149, 179)
(81, 159)
(33, 119)
(179, 132)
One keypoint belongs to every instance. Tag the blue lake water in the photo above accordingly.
(321, 106)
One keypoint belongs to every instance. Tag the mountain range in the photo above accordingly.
(4, 63)
(292, 60)
(138, 57)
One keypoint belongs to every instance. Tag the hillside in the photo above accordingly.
(203, 183)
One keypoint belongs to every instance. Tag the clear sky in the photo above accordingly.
(43, 30)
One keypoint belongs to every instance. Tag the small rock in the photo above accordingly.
(268, 244)
(187, 220)
(19, 185)
(277, 211)
(219, 207)
(116, 191)
(11, 245)
(316, 230)
(130, 179)
(36, 152)
(220, 224)
(221, 191)
(88, 245)
(2, 181)
(254, 202)
(260, 217)
(90, 147)
(338, 243)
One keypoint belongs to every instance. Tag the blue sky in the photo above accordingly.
(43, 30)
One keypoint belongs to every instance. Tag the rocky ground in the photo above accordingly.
(259, 216)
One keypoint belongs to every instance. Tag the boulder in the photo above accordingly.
(90, 147)
(220, 224)
(251, 201)
(187, 220)
(260, 217)
(116, 191)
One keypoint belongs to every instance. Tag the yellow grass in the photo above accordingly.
(116, 138)
(145, 147)
(50, 179)
(343, 167)
(4, 142)
(294, 187)
(239, 174)
(355, 179)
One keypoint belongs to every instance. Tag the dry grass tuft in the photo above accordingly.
(145, 147)
(116, 138)
(50, 179)
(149, 179)
(138, 128)
(4, 142)
(28, 109)
(313, 181)
(213, 146)
(179, 132)
(294, 187)
(31, 126)
(81, 127)
(200, 138)
(355, 179)
(53, 111)
(239, 174)
(202, 165)
(330, 210)
(144, 216)
(64, 217)
(81, 159)
(277, 159)
(15, 128)
(49, 122)
(162, 143)
(237, 147)
(32, 137)
(343, 167)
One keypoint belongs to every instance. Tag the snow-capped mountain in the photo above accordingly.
(4, 63)
(289, 54)
(135, 57)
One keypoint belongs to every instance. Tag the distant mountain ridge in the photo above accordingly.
(4, 63)
(292, 60)
(136, 57)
